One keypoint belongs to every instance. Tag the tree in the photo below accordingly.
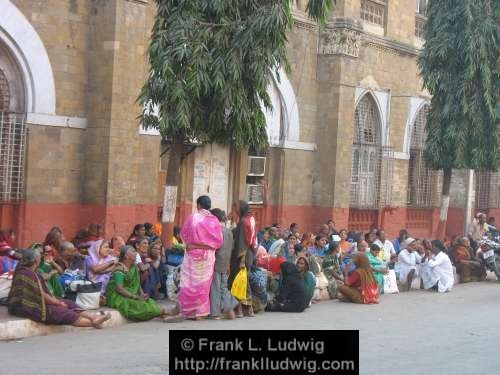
(460, 69)
(210, 64)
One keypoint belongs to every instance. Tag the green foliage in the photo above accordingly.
(210, 64)
(461, 69)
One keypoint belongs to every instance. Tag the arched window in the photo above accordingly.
(4, 93)
(423, 189)
(12, 130)
(366, 155)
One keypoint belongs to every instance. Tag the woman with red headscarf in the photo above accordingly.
(360, 286)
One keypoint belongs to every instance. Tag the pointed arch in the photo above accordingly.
(423, 183)
(366, 153)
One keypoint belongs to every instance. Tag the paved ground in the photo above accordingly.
(410, 333)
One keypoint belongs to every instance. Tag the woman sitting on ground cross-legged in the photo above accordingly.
(292, 295)
(360, 286)
(30, 298)
(124, 290)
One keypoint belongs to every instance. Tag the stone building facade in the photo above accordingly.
(346, 132)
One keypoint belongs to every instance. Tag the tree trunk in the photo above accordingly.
(445, 203)
(170, 195)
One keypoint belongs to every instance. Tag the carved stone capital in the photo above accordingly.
(340, 37)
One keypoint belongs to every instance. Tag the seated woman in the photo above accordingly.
(116, 244)
(50, 271)
(332, 270)
(309, 279)
(468, 267)
(345, 245)
(138, 232)
(124, 291)
(141, 246)
(292, 295)
(100, 263)
(152, 281)
(320, 246)
(378, 266)
(30, 298)
(360, 286)
(258, 285)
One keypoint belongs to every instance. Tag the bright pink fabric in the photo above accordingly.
(197, 269)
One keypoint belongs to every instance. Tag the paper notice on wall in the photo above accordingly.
(169, 204)
(218, 188)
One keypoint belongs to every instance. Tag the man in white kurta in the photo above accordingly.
(438, 270)
(387, 247)
(408, 263)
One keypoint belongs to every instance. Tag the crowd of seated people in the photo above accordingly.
(230, 269)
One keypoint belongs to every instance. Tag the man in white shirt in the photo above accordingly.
(388, 253)
(437, 271)
(408, 261)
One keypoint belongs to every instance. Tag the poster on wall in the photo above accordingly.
(169, 204)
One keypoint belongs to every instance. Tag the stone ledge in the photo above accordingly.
(15, 328)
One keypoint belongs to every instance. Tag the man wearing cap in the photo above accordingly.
(408, 261)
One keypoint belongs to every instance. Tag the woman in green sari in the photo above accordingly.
(124, 291)
(378, 267)
(309, 279)
(50, 271)
(331, 269)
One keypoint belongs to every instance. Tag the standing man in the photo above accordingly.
(478, 229)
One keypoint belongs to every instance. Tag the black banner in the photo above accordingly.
(265, 352)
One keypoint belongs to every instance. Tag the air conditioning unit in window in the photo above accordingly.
(256, 166)
(255, 194)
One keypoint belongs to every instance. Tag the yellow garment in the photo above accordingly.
(239, 288)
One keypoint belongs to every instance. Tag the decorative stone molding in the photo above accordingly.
(386, 45)
(341, 37)
(301, 21)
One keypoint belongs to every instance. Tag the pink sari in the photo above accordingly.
(197, 269)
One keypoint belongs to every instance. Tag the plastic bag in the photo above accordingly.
(240, 283)
(390, 283)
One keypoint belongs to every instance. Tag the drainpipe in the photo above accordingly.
(469, 197)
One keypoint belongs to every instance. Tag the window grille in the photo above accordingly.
(373, 11)
(421, 7)
(12, 156)
(487, 190)
(256, 168)
(420, 26)
(372, 166)
(255, 194)
(423, 183)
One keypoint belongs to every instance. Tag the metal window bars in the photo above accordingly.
(12, 156)
(423, 183)
(373, 11)
(487, 190)
(372, 164)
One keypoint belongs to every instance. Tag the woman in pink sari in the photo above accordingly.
(202, 235)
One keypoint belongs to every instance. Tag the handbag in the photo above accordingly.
(88, 295)
(390, 283)
(174, 256)
(321, 291)
(239, 287)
